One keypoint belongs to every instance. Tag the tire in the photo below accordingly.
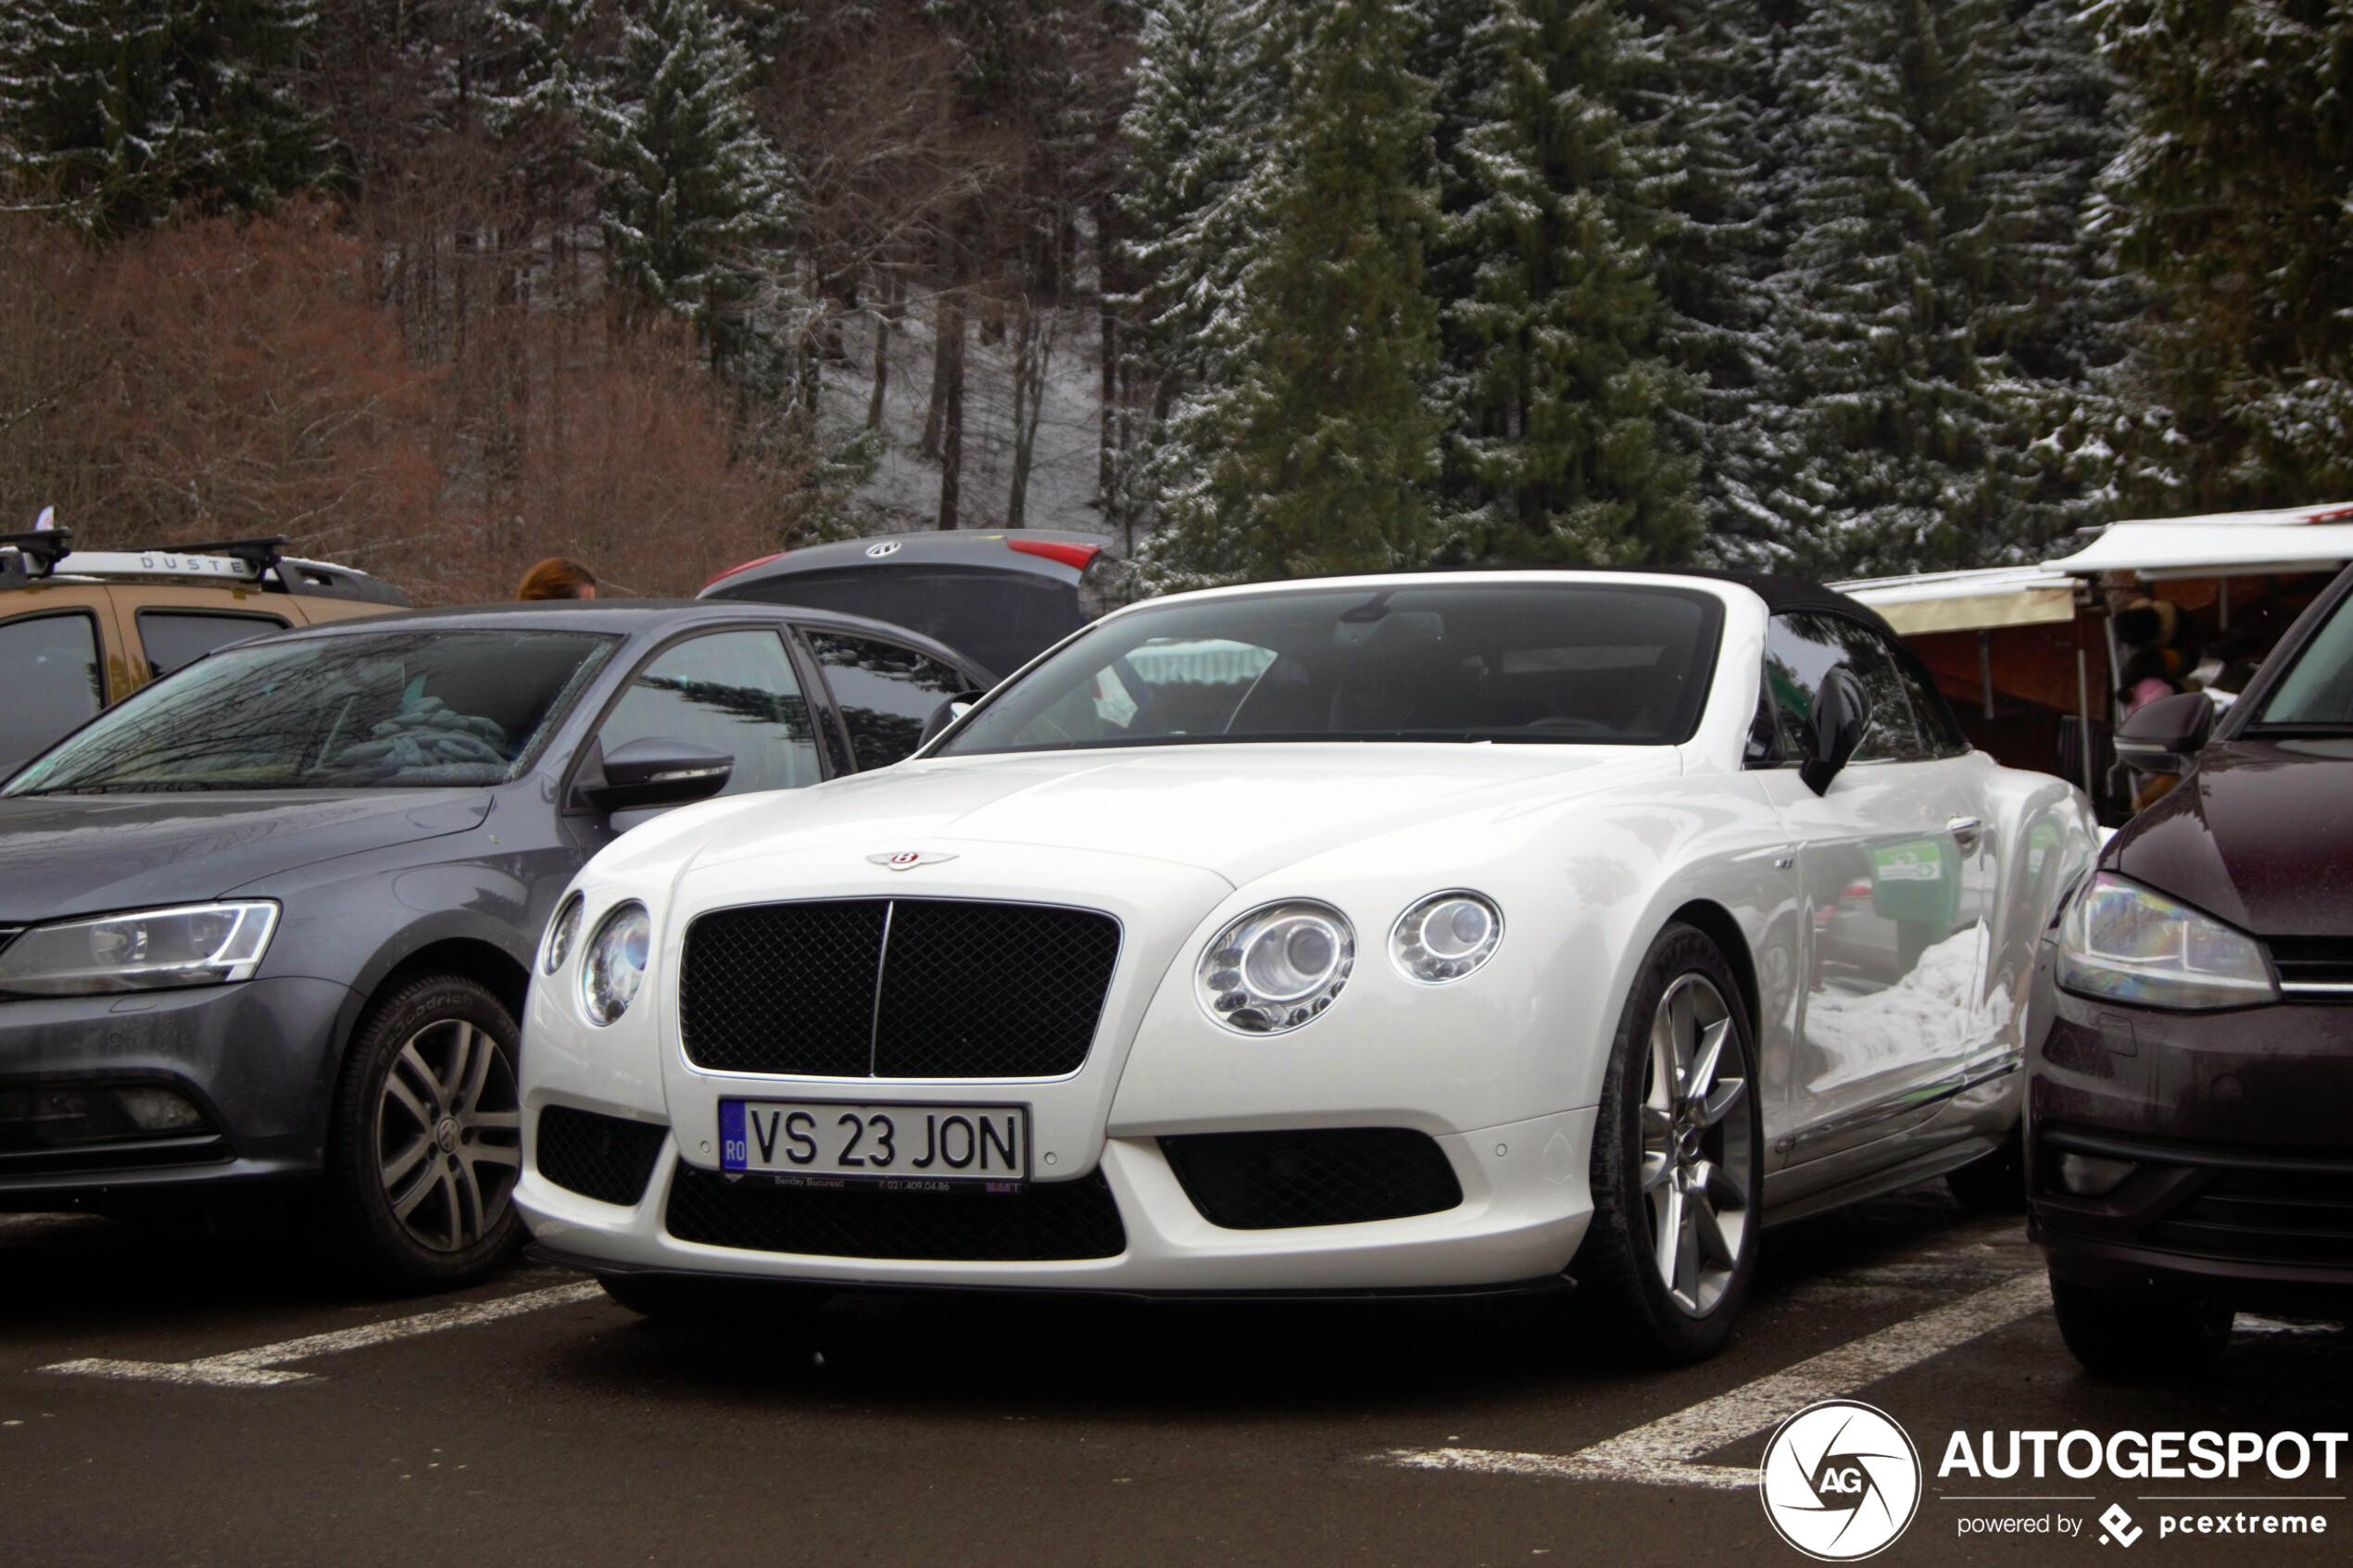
(675, 1301)
(426, 1142)
(1681, 1159)
(1993, 1183)
(2141, 1335)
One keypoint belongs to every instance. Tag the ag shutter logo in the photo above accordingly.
(1841, 1480)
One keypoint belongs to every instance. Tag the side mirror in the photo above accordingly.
(2164, 737)
(1842, 709)
(658, 770)
(946, 714)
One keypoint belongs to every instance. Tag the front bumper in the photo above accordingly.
(1525, 1208)
(2234, 1122)
(258, 1059)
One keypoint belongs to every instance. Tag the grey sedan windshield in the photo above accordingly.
(390, 710)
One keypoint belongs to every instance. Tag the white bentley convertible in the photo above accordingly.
(1446, 933)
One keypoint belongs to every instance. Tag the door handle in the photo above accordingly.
(1967, 830)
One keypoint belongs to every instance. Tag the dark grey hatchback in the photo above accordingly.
(267, 924)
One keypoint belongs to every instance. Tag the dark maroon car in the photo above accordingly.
(2190, 1099)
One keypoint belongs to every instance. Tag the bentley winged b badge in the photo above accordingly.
(908, 860)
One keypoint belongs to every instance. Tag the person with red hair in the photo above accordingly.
(558, 577)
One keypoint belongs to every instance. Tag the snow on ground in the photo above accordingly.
(904, 493)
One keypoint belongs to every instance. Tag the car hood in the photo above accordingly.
(1239, 812)
(80, 854)
(2260, 834)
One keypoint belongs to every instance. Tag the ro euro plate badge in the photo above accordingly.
(908, 860)
(934, 1147)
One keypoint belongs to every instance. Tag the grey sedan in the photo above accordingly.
(268, 923)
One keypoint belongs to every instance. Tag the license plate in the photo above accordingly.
(894, 1143)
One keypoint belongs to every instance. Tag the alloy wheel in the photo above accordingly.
(448, 1135)
(1697, 1155)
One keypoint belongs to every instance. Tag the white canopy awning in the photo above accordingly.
(2241, 543)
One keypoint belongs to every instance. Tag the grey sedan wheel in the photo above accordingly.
(447, 1134)
(428, 1141)
(1677, 1169)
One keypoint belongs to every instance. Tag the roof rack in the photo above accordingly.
(261, 563)
(36, 555)
(259, 553)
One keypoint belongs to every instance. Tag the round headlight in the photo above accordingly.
(562, 931)
(616, 965)
(1276, 968)
(1445, 936)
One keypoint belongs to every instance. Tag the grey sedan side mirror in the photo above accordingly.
(1842, 709)
(658, 770)
(2163, 736)
(946, 714)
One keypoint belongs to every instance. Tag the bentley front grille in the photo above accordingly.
(896, 988)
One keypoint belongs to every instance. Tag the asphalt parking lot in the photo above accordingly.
(170, 1398)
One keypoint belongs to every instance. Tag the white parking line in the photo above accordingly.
(1667, 1451)
(256, 1368)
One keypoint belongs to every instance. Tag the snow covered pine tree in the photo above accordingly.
(1317, 439)
(1916, 282)
(1553, 392)
(695, 202)
(121, 111)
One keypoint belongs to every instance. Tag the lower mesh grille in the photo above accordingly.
(2265, 1216)
(1331, 1176)
(1048, 1222)
(600, 1157)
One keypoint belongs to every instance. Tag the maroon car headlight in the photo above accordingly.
(2125, 943)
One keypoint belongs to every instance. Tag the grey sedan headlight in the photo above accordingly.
(616, 963)
(2124, 942)
(1277, 967)
(1445, 936)
(148, 950)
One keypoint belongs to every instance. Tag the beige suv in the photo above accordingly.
(82, 628)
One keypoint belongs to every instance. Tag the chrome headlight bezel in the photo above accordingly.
(1429, 958)
(563, 935)
(611, 952)
(1277, 968)
(168, 949)
(2122, 943)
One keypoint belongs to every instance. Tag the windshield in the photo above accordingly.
(379, 711)
(999, 619)
(1591, 664)
(2318, 692)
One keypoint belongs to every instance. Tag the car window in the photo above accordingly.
(884, 692)
(421, 707)
(1802, 646)
(2318, 689)
(999, 619)
(55, 682)
(1568, 664)
(732, 690)
(173, 638)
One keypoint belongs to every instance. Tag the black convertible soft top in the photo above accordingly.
(1781, 594)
